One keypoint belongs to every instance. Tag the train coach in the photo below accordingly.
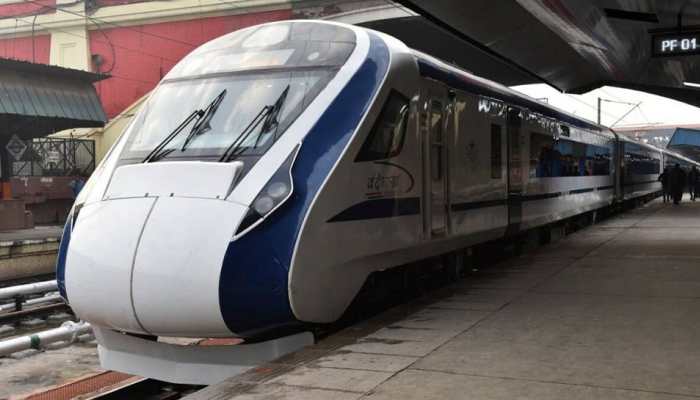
(275, 168)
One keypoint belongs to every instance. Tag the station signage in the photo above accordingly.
(16, 147)
(675, 44)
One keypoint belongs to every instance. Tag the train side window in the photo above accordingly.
(496, 160)
(640, 160)
(386, 138)
(544, 161)
(551, 159)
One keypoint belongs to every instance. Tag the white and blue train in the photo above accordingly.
(275, 168)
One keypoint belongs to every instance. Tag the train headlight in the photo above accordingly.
(278, 190)
(275, 192)
(263, 205)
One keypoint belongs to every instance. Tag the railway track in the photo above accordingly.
(26, 313)
(36, 299)
(112, 385)
(27, 280)
(41, 311)
(147, 389)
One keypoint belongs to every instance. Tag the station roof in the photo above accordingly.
(573, 45)
(38, 99)
(686, 142)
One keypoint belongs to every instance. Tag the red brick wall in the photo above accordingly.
(27, 8)
(27, 48)
(139, 56)
(21, 48)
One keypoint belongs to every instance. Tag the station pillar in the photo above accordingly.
(5, 169)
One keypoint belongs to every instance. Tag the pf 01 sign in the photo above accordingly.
(675, 44)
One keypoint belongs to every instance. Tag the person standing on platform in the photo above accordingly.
(693, 183)
(677, 182)
(76, 185)
(664, 178)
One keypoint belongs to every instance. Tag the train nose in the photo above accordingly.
(152, 264)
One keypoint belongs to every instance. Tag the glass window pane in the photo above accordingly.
(386, 138)
(248, 96)
(641, 160)
(276, 46)
(550, 158)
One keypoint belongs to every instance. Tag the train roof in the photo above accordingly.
(680, 157)
(432, 67)
(625, 138)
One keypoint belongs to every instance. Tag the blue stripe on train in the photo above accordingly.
(61, 260)
(379, 208)
(254, 276)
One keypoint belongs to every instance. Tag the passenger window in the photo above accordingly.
(388, 133)
(550, 158)
(496, 172)
(640, 160)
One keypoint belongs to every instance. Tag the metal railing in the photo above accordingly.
(56, 157)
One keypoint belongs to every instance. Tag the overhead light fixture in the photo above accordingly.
(692, 84)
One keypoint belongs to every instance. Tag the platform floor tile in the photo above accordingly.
(363, 361)
(624, 276)
(421, 385)
(282, 392)
(394, 347)
(348, 380)
(440, 319)
(609, 341)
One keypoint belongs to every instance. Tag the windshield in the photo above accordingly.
(232, 98)
(248, 95)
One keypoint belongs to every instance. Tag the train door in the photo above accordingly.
(435, 176)
(515, 170)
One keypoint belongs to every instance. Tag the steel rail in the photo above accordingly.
(29, 288)
(69, 331)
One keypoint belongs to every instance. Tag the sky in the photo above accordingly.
(653, 109)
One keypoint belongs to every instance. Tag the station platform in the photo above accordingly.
(29, 252)
(609, 312)
(43, 232)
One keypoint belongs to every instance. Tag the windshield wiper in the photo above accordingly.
(158, 153)
(202, 125)
(268, 114)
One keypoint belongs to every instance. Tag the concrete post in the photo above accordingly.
(5, 169)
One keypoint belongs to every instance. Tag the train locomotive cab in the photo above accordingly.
(163, 240)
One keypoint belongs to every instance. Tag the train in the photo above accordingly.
(275, 168)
